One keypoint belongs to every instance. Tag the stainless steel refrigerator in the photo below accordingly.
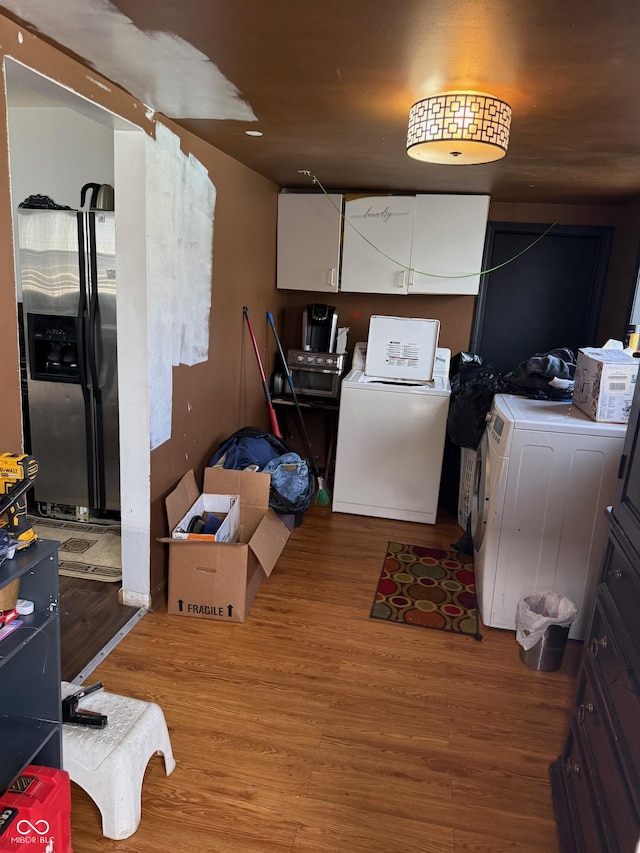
(68, 276)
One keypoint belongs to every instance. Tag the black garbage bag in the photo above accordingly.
(544, 376)
(292, 482)
(473, 387)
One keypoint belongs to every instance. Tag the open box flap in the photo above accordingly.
(185, 494)
(253, 487)
(268, 541)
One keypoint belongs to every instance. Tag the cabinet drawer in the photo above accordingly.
(620, 687)
(610, 788)
(623, 584)
(583, 806)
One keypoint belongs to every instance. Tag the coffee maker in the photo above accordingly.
(319, 328)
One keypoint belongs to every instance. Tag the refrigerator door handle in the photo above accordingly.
(84, 359)
(82, 309)
(92, 354)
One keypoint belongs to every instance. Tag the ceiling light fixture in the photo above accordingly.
(459, 127)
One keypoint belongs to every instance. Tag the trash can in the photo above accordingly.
(543, 621)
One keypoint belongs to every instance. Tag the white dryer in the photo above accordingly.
(545, 474)
(390, 443)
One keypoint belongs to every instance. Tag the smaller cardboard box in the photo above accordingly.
(604, 384)
(226, 508)
(219, 580)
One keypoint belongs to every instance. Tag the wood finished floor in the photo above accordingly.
(90, 616)
(312, 728)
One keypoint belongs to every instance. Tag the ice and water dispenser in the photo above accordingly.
(53, 348)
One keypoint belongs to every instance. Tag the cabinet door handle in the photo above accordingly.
(583, 710)
(403, 280)
(616, 574)
(412, 278)
(332, 277)
(597, 644)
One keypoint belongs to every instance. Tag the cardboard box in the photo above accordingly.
(604, 384)
(224, 507)
(219, 580)
(401, 348)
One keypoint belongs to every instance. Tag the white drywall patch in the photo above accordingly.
(160, 69)
(180, 203)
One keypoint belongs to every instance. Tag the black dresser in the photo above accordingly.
(596, 780)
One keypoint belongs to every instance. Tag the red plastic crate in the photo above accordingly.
(35, 813)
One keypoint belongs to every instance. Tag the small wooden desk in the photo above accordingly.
(322, 436)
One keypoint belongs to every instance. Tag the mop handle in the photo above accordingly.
(293, 392)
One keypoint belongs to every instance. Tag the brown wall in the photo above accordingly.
(623, 273)
(354, 310)
(212, 400)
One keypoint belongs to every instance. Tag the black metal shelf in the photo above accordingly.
(30, 708)
(22, 741)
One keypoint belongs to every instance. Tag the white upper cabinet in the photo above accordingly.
(414, 244)
(448, 241)
(309, 228)
(396, 244)
(376, 251)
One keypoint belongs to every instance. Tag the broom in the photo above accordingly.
(273, 420)
(322, 495)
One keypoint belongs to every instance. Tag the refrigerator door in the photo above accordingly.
(53, 310)
(102, 357)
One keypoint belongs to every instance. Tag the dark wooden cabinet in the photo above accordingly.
(30, 703)
(596, 780)
(626, 504)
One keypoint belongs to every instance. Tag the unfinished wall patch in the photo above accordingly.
(160, 69)
(180, 204)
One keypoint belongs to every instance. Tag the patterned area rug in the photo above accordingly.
(89, 551)
(427, 587)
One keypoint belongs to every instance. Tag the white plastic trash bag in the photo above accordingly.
(539, 609)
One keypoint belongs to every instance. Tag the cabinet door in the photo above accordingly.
(448, 241)
(376, 251)
(309, 227)
(626, 503)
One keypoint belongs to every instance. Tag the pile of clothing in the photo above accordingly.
(292, 482)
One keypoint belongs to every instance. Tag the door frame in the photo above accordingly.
(535, 231)
(130, 188)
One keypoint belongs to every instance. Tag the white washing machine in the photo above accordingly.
(545, 474)
(390, 443)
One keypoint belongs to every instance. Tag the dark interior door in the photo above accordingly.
(535, 298)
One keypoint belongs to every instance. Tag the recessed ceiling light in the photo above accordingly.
(253, 132)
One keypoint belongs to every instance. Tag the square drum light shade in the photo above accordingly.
(459, 128)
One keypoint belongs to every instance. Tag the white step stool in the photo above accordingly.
(109, 763)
